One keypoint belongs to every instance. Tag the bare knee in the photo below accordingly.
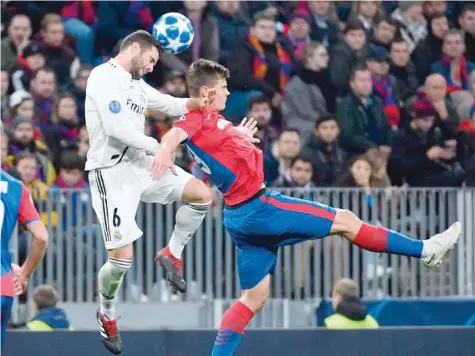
(345, 222)
(196, 192)
(122, 253)
(255, 298)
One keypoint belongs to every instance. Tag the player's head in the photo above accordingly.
(345, 288)
(44, 296)
(203, 76)
(140, 50)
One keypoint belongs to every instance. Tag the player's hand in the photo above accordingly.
(19, 281)
(248, 128)
(201, 103)
(161, 162)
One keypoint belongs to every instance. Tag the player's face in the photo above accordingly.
(301, 173)
(27, 169)
(222, 93)
(361, 172)
(144, 62)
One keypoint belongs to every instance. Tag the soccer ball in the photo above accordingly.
(174, 32)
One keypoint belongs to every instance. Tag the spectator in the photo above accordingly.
(83, 142)
(385, 86)
(344, 56)
(435, 89)
(78, 90)
(384, 30)
(32, 59)
(309, 94)
(260, 64)
(117, 19)
(366, 11)
(71, 177)
(421, 155)
(299, 174)
(175, 84)
(27, 167)
(358, 174)
(299, 32)
(22, 140)
(467, 25)
(349, 310)
(325, 153)
(453, 65)
(277, 158)
(205, 43)
(324, 28)
(19, 33)
(412, 23)
(58, 56)
(7, 165)
(47, 316)
(430, 50)
(158, 124)
(379, 163)
(79, 17)
(433, 7)
(233, 26)
(22, 104)
(361, 117)
(403, 70)
(63, 133)
(43, 88)
(5, 85)
(259, 108)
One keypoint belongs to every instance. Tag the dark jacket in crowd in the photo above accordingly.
(407, 81)
(49, 319)
(231, 30)
(342, 61)
(362, 126)
(329, 161)
(409, 159)
(324, 31)
(470, 47)
(21, 75)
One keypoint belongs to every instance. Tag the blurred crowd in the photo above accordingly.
(354, 94)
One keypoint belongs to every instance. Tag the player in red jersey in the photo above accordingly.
(259, 221)
(16, 205)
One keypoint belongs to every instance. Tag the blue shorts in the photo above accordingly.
(259, 227)
(7, 303)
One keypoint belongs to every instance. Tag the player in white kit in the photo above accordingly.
(118, 163)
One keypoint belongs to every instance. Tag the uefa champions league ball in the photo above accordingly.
(174, 32)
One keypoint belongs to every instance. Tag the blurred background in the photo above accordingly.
(366, 105)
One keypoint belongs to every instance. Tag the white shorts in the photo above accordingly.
(116, 192)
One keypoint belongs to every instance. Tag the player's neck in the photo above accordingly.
(123, 62)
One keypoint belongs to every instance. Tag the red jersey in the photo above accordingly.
(231, 162)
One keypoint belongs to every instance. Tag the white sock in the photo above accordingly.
(188, 219)
(110, 279)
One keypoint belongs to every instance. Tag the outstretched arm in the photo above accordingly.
(164, 158)
(247, 129)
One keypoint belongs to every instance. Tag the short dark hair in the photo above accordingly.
(325, 118)
(437, 15)
(398, 39)
(360, 67)
(467, 8)
(256, 100)
(70, 160)
(24, 155)
(354, 25)
(143, 38)
(45, 296)
(262, 15)
(45, 69)
(385, 18)
(290, 129)
(300, 158)
(204, 72)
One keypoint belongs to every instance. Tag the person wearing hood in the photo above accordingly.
(47, 316)
(350, 312)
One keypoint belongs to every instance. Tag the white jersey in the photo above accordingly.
(115, 115)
